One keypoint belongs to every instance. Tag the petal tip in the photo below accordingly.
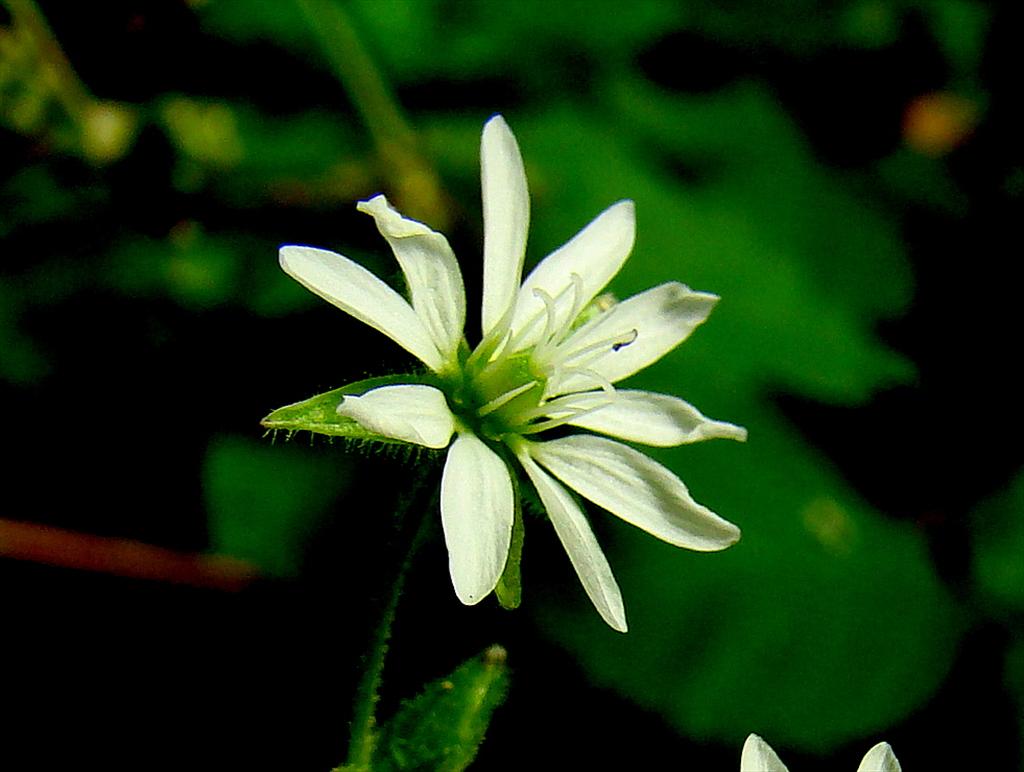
(734, 535)
(373, 203)
(497, 121)
(292, 257)
(468, 598)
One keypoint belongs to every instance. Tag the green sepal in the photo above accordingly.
(509, 589)
(319, 414)
(442, 727)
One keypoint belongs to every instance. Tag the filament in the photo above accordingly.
(504, 399)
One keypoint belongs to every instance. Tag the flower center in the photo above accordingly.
(506, 389)
(501, 396)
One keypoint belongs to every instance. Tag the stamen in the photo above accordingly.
(620, 344)
(555, 384)
(504, 399)
(614, 344)
(550, 315)
(566, 405)
(553, 423)
(577, 297)
(550, 311)
(495, 341)
(489, 347)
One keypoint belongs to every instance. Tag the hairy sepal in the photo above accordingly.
(319, 414)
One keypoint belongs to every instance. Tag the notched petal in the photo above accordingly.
(431, 272)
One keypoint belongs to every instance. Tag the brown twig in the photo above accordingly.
(121, 557)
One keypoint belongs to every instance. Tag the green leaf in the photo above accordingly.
(442, 728)
(319, 414)
(264, 502)
(767, 634)
(998, 527)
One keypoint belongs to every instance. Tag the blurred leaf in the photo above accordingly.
(319, 414)
(479, 36)
(824, 624)
(921, 180)
(249, 20)
(768, 635)
(20, 362)
(192, 267)
(442, 728)
(798, 27)
(34, 195)
(201, 270)
(264, 502)
(312, 159)
(998, 528)
(1013, 677)
(960, 27)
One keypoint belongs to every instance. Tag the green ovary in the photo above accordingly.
(478, 400)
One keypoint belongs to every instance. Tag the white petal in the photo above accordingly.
(506, 204)
(410, 412)
(595, 255)
(431, 271)
(663, 317)
(477, 512)
(585, 553)
(636, 488)
(358, 292)
(759, 757)
(645, 417)
(880, 759)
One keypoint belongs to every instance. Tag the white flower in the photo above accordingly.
(759, 757)
(550, 352)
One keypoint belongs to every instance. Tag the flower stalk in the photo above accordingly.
(413, 524)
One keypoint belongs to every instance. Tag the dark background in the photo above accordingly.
(145, 330)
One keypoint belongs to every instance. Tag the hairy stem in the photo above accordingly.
(417, 508)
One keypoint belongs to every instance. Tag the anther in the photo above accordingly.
(621, 343)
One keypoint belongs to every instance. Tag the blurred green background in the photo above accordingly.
(847, 175)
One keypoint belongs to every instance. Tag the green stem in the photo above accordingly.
(66, 86)
(363, 734)
(330, 24)
(413, 180)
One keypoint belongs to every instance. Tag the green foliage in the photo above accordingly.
(20, 362)
(442, 728)
(999, 548)
(265, 501)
